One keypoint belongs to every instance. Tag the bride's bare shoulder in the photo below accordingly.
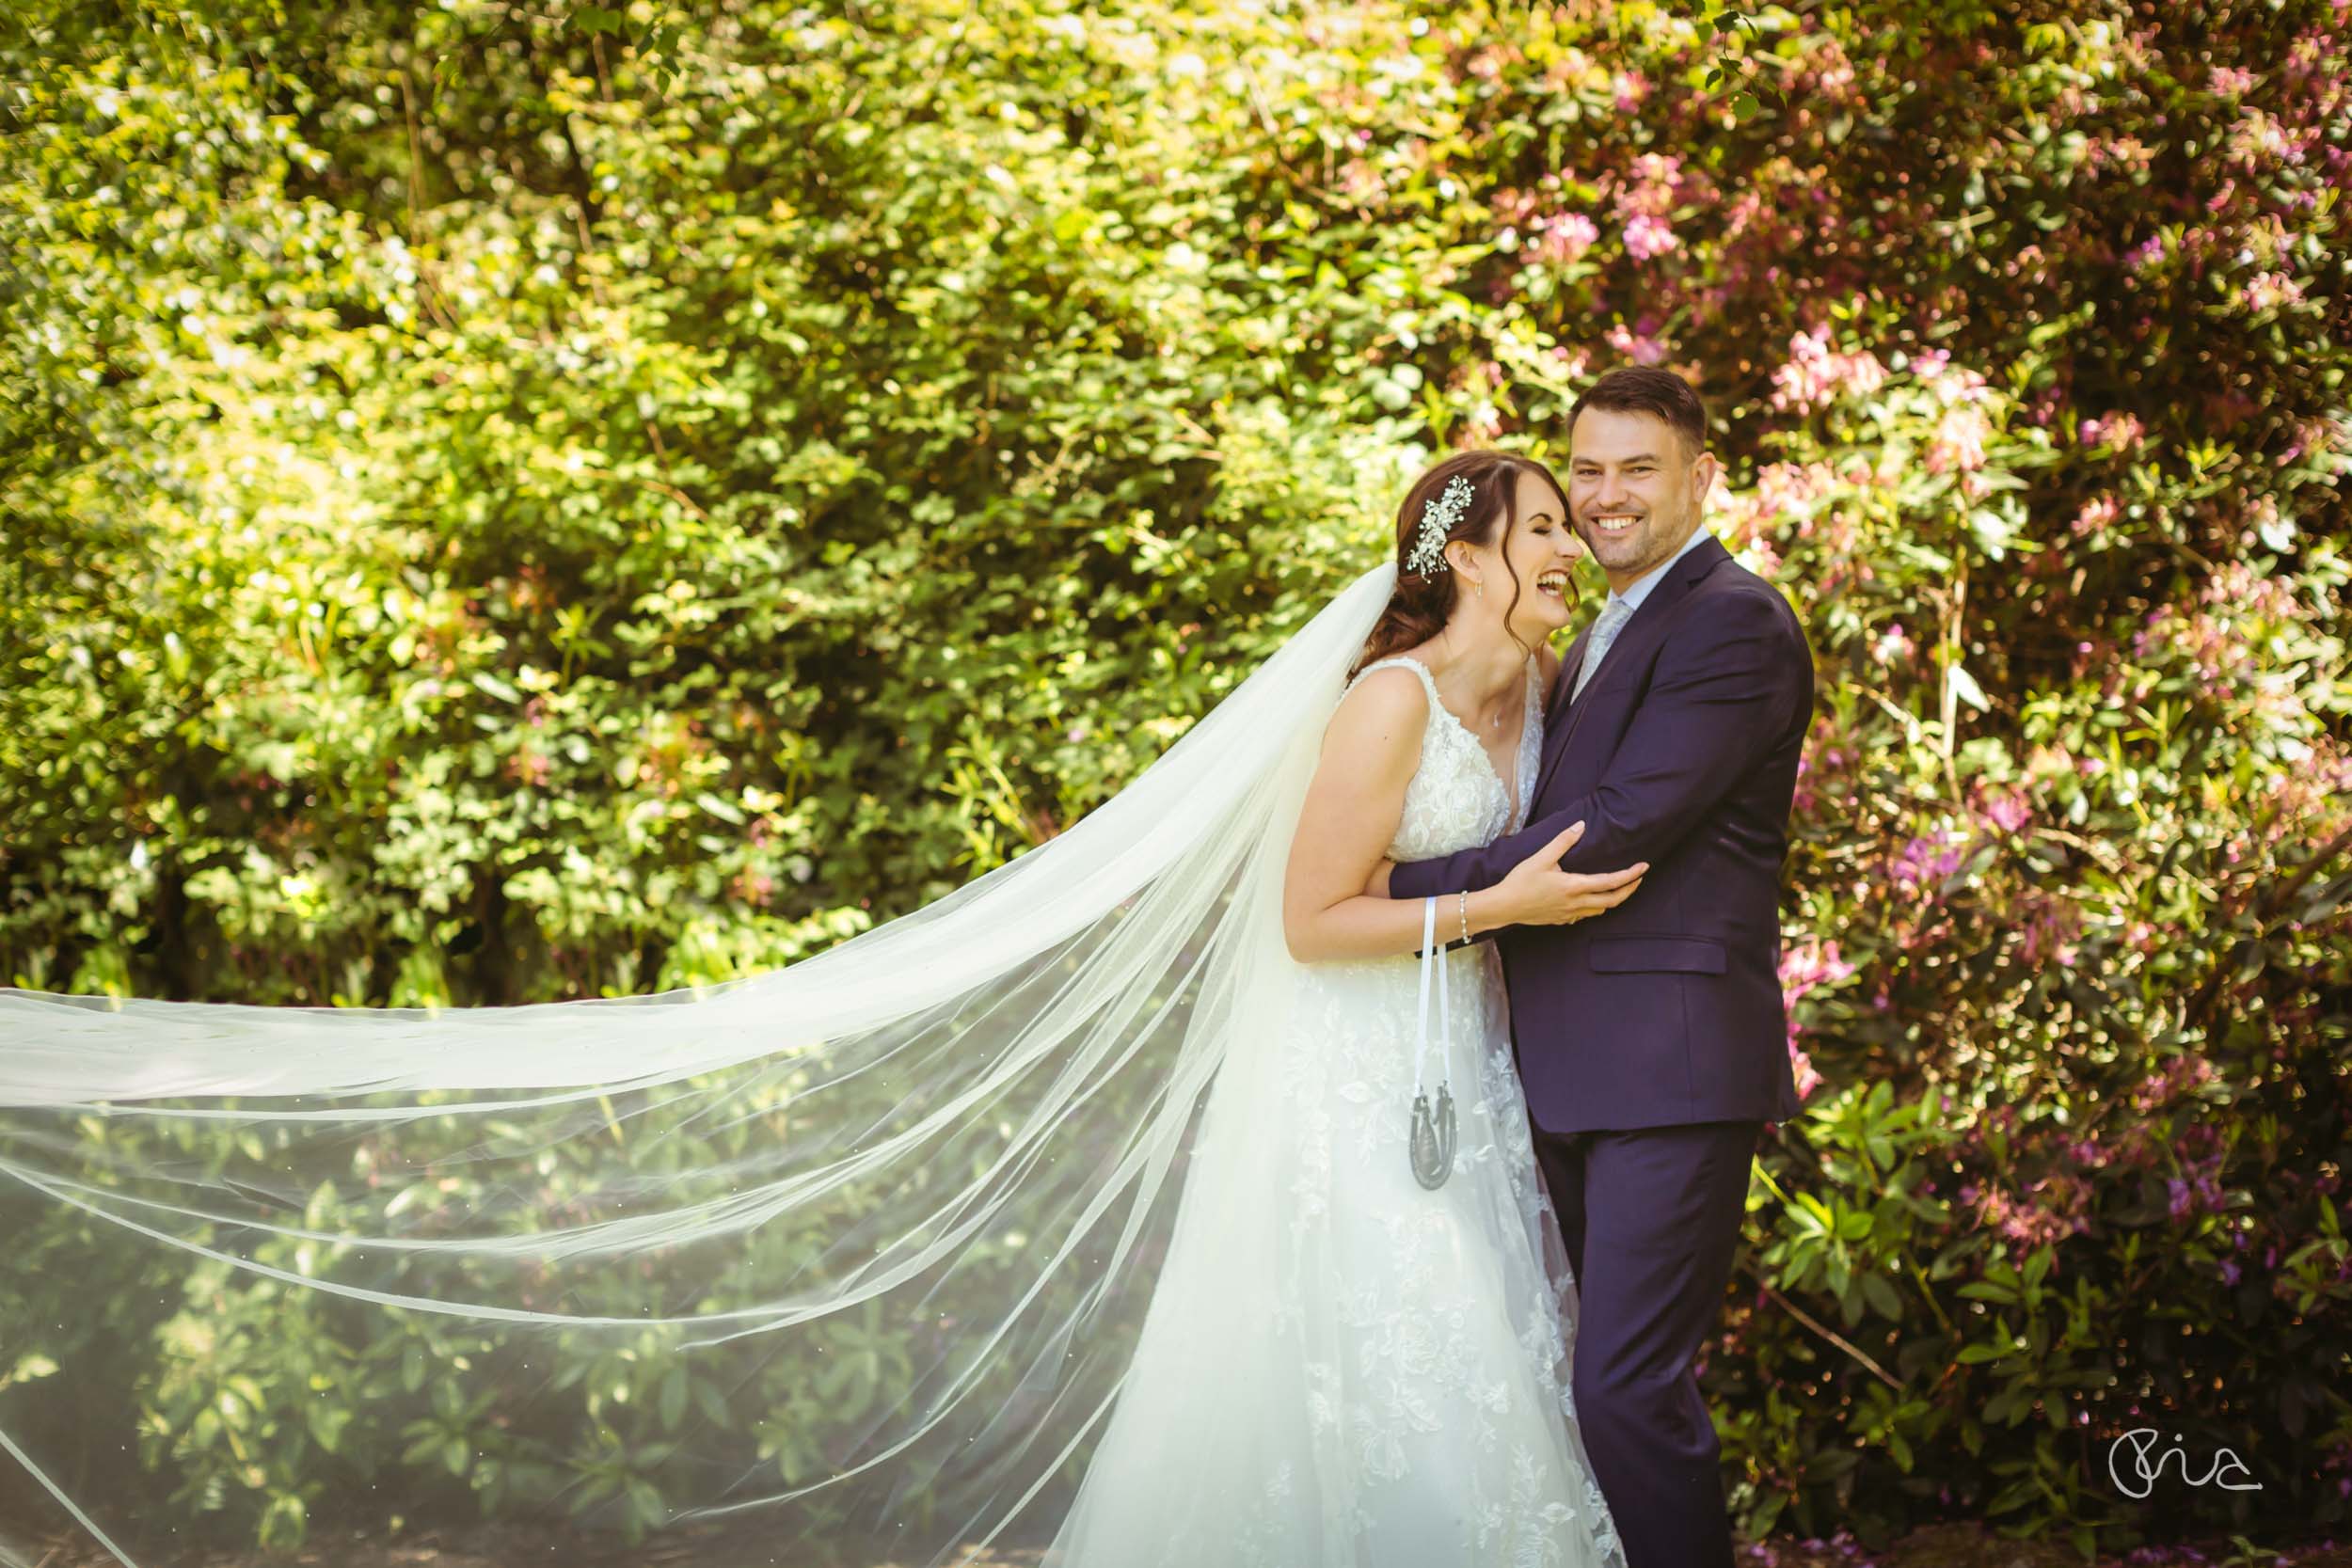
(1382, 715)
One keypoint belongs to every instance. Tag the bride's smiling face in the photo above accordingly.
(1541, 550)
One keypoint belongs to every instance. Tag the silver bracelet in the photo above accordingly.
(1462, 908)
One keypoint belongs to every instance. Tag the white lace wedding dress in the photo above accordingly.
(1338, 1368)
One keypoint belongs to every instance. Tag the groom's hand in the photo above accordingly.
(1378, 886)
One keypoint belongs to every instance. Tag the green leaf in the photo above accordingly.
(327, 1421)
(672, 1400)
(28, 1366)
(2038, 1265)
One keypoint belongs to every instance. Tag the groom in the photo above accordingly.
(1652, 1038)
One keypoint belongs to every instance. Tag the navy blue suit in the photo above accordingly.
(1652, 1039)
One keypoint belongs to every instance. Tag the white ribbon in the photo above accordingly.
(1429, 960)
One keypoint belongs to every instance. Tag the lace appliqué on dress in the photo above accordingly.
(1454, 1338)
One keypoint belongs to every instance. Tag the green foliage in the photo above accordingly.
(506, 504)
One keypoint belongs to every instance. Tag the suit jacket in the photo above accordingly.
(1682, 751)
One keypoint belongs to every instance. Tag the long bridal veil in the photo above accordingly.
(856, 1248)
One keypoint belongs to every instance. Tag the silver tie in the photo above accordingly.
(1612, 617)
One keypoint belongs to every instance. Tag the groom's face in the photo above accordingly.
(1634, 486)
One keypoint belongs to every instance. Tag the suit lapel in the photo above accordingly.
(1556, 700)
(1640, 633)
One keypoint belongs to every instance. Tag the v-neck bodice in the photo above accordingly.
(1458, 800)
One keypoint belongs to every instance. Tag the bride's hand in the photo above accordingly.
(1538, 892)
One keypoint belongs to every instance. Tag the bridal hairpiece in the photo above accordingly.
(1438, 516)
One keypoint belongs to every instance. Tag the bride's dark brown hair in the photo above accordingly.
(1417, 610)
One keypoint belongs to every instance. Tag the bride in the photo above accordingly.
(1393, 1386)
(1176, 1060)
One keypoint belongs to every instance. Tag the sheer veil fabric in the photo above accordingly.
(854, 1249)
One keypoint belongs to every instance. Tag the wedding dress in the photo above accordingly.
(1403, 1397)
(1068, 1207)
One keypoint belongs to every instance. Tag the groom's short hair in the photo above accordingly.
(1646, 389)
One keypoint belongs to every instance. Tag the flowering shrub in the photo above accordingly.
(514, 503)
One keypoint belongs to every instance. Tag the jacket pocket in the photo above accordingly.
(1623, 955)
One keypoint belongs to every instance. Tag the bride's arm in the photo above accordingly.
(1352, 810)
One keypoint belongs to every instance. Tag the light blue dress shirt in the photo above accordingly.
(1618, 609)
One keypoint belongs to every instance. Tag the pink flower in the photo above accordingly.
(1802, 969)
(2181, 1074)
(1360, 181)
(2031, 1225)
(1814, 373)
(1651, 187)
(1832, 72)
(2260, 141)
(2006, 809)
(1927, 862)
(1808, 1080)
(1813, 963)
(1646, 236)
(1642, 350)
(2119, 432)
(1565, 236)
(1960, 437)
(2270, 288)
(1658, 168)
(2202, 1195)
(2128, 152)
(2096, 515)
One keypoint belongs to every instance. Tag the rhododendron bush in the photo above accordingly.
(512, 503)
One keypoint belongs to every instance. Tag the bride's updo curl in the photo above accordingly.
(1417, 610)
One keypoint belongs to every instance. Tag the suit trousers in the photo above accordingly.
(1651, 1219)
